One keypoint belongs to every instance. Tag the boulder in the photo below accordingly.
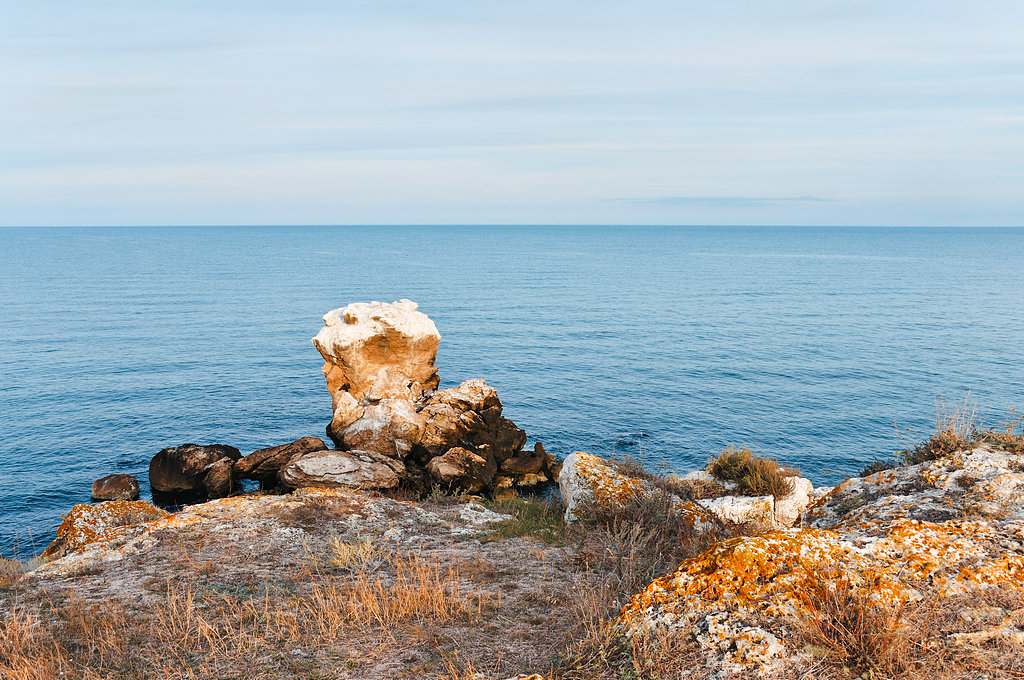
(390, 428)
(217, 480)
(84, 523)
(347, 469)
(755, 510)
(184, 468)
(263, 465)
(789, 507)
(462, 468)
(523, 465)
(116, 487)
(377, 351)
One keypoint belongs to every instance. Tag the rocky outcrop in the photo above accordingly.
(952, 527)
(263, 465)
(117, 487)
(588, 481)
(342, 469)
(84, 523)
(379, 366)
(194, 469)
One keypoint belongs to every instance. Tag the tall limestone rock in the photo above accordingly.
(379, 365)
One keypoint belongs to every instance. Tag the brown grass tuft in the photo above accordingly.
(852, 631)
(753, 474)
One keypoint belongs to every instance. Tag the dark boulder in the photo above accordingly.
(464, 469)
(264, 464)
(117, 487)
(184, 468)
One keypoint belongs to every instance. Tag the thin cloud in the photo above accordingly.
(727, 201)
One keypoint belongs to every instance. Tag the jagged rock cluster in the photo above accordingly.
(391, 425)
(391, 422)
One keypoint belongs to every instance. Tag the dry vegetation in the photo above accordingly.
(957, 429)
(530, 594)
(851, 635)
(754, 475)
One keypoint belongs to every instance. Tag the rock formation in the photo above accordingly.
(117, 487)
(263, 465)
(194, 469)
(379, 365)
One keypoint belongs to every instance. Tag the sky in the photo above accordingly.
(473, 112)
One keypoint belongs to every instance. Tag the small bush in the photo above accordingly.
(852, 630)
(877, 466)
(954, 431)
(754, 475)
(1006, 439)
(534, 517)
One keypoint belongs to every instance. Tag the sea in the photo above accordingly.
(826, 348)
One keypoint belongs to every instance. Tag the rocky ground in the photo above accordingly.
(910, 569)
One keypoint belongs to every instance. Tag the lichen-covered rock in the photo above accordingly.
(588, 480)
(184, 468)
(377, 351)
(955, 525)
(84, 523)
(263, 464)
(344, 469)
(116, 487)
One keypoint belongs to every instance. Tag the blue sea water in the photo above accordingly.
(808, 344)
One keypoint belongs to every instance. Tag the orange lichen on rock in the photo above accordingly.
(756, 574)
(85, 523)
(608, 486)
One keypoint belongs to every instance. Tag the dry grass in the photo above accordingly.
(598, 652)
(956, 429)
(10, 571)
(355, 556)
(637, 542)
(853, 635)
(850, 631)
(754, 475)
(193, 632)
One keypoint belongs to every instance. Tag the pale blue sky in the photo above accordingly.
(304, 112)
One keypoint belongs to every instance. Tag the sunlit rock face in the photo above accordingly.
(376, 350)
(379, 365)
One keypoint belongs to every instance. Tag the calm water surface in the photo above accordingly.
(669, 343)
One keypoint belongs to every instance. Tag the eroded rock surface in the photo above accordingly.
(344, 469)
(379, 366)
(953, 526)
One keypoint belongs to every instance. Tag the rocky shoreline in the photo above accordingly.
(910, 571)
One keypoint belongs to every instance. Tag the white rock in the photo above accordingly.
(742, 509)
(788, 509)
(346, 469)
